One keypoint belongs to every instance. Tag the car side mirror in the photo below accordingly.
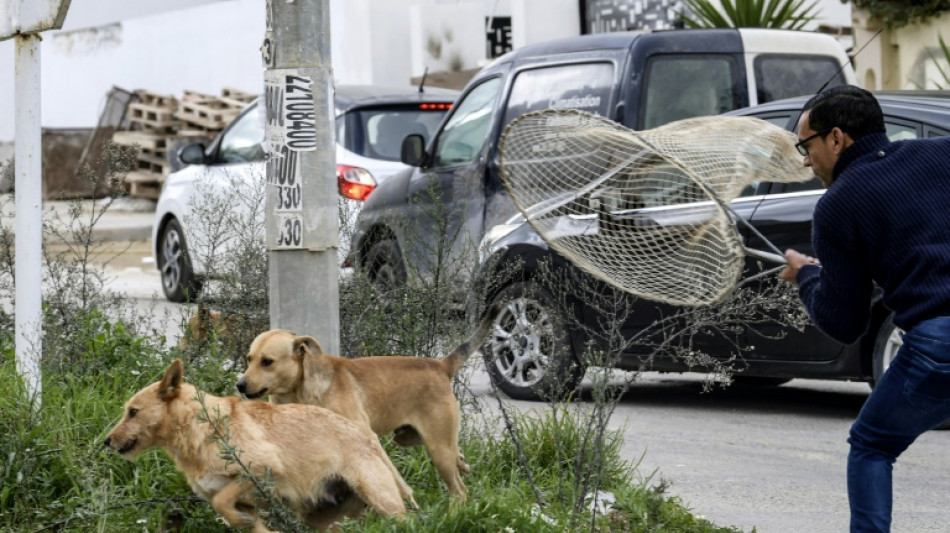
(413, 151)
(192, 154)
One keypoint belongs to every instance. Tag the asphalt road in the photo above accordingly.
(770, 458)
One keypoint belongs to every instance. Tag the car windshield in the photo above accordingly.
(378, 132)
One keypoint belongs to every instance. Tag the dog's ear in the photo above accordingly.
(170, 386)
(316, 376)
(306, 345)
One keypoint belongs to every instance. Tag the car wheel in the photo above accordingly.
(529, 355)
(384, 263)
(889, 340)
(179, 282)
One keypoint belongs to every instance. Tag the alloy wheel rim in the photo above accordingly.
(521, 342)
(171, 266)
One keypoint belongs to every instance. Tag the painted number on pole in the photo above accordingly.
(291, 128)
(299, 114)
(289, 230)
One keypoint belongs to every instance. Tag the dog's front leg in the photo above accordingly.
(225, 503)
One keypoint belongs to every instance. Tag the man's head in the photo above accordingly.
(833, 120)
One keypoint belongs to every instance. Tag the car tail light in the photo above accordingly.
(437, 106)
(354, 183)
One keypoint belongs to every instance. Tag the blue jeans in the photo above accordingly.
(912, 397)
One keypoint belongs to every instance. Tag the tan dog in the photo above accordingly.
(322, 465)
(411, 396)
(200, 326)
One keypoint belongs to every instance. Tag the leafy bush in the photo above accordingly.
(784, 14)
(899, 14)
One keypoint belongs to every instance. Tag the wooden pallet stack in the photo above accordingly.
(152, 118)
(161, 124)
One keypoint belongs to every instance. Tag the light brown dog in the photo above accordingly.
(322, 465)
(411, 396)
(205, 324)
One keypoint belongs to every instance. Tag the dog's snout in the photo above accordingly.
(242, 386)
(107, 442)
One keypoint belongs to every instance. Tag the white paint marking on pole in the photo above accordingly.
(28, 212)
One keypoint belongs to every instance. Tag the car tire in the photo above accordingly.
(179, 282)
(529, 354)
(384, 265)
(889, 340)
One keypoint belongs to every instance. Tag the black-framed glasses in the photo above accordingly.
(801, 145)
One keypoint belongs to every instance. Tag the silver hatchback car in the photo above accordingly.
(370, 124)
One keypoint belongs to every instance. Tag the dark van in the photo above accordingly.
(641, 80)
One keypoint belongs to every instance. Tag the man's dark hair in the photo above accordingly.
(850, 108)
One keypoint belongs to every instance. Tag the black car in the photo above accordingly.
(529, 352)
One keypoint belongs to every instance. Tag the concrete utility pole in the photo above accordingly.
(23, 20)
(302, 227)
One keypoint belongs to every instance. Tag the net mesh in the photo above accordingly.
(644, 211)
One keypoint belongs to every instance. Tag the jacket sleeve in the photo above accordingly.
(836, 294)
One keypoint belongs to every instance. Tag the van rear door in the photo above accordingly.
(787, 63)
(676, 75)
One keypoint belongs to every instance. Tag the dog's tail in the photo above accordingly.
(457, 358)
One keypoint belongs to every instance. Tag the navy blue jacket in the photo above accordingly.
(885, 218)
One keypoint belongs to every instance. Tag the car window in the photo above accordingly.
(900, 132)
(378, 132)
(896, 131)
(778, 120)
(683, 86)
(577, 86)
(780, 76)
(241, 143)
(466, 131)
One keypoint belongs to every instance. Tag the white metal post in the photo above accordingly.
(28, 225)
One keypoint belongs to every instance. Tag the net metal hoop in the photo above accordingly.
(647, 212)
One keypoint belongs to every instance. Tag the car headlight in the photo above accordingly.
(488, 245)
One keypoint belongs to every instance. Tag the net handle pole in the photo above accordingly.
(760, 275)
(723, 205)
(765, 256)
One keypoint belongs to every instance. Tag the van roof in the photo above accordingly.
(625, 39)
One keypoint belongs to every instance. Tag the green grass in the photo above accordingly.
(55, 475)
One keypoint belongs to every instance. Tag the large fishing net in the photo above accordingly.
(646, 211)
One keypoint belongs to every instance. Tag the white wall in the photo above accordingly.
(561, 18)
(351, 40)
(376, 41)
(447, 38)
(200, 48)
(832, 13)
(91, 13)
(167, 46)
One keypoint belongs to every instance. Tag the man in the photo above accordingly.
(884, 219)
